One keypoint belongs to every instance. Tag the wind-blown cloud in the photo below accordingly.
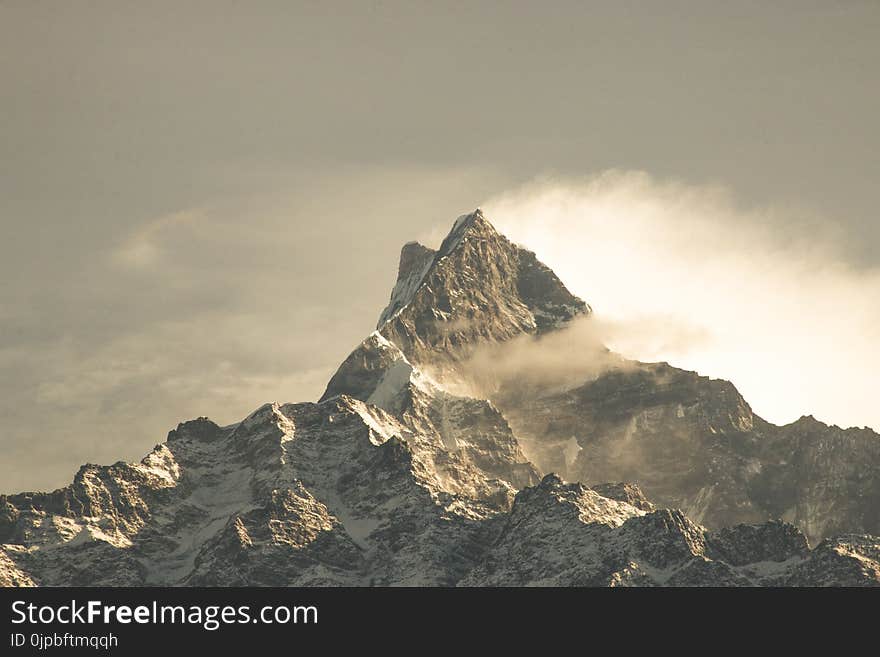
(763, 297)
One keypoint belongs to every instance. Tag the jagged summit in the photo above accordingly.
(474, 224)
(477, 287)
(416, 260)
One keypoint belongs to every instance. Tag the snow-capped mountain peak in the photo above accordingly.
(403, 473)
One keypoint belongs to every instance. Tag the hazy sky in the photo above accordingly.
(202, 204)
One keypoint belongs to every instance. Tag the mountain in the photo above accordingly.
(423, 464)
(694, 443)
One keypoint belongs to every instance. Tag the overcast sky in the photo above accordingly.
(202, 204)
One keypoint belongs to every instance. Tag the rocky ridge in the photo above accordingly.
(405, 473)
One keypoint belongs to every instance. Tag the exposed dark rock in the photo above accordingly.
(406, 473)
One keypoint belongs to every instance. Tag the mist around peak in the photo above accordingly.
(763, 296)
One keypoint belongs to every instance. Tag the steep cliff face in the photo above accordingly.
(694, 443)
(477, 288)
(405, 472)
(824, 479)
(468, 430)
(688, 441)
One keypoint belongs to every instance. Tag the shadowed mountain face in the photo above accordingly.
(421, 464)
(694, 443)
